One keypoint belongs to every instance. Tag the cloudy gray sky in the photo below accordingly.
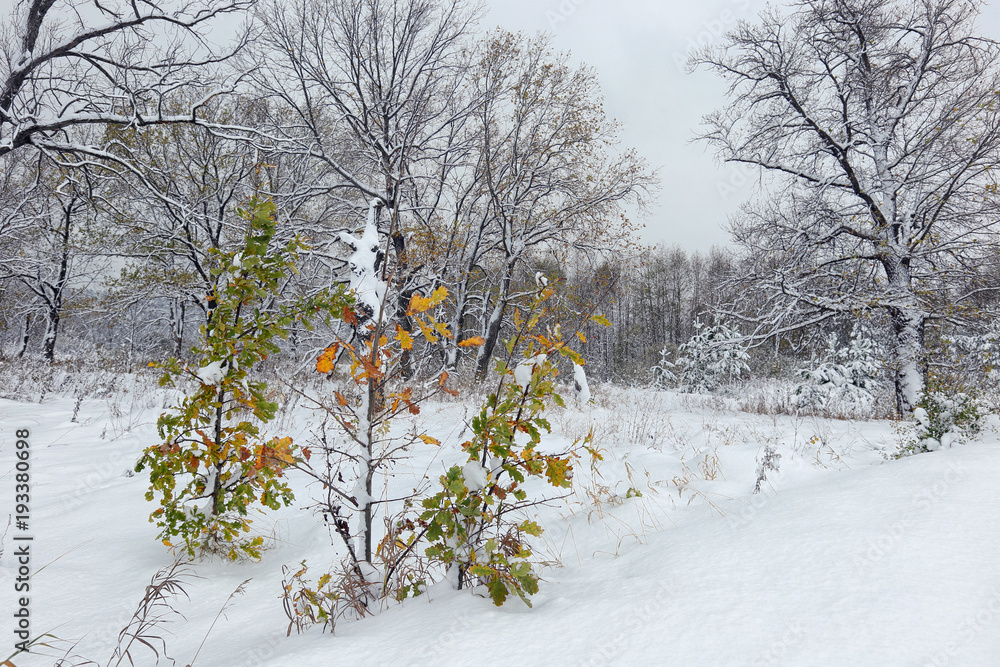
(638, 48)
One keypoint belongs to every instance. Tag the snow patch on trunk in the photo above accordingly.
(580, 383)
(365, 283)
(211, 374)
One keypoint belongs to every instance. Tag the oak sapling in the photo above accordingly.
(362, 452)
(475, 524)
(214, 464)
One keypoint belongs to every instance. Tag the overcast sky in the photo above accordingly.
(638, 48)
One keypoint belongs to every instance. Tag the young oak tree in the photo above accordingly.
(878, 126)
(214, 463)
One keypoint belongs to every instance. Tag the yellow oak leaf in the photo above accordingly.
(428, 332)
(438, 296)
(404, 338)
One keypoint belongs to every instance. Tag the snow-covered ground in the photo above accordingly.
(662, 556)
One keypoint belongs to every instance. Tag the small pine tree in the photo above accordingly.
(943, 417)
(846, 378)
(712, 357)
(663, 372)
(977, 355)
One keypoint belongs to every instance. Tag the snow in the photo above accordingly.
(580, 383)
(212, 373)
(523, 371)
(367, 286)
(475, 475)
(844, 558)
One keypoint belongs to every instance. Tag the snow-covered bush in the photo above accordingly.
(712, 357)
(979, 354)
(943, 419)
(845, 380)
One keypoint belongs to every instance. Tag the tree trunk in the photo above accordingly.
(494, 324)
(492, 336)
(453, 352)
(217, 493)
(177, 325)
(55, 303)
(26, 336)
(908, 326)
(51, 332)
(908, 320)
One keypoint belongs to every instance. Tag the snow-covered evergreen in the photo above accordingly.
(845, 380)
(942, 420)
(713, 356)
(663, 372)
(978, 353)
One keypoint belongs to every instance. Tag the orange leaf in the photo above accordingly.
(579, 334)
(281, 450)
(418, 304)
(350, 317)
(444, 378)
(324, 364)
(428, 439)
(475, 341)
(341, 401)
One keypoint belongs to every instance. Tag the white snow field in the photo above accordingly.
(844, 558)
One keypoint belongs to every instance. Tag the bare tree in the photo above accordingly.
(878, 128)
(48, 243)
(68, 63)
(369, 88)
(545, 169)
